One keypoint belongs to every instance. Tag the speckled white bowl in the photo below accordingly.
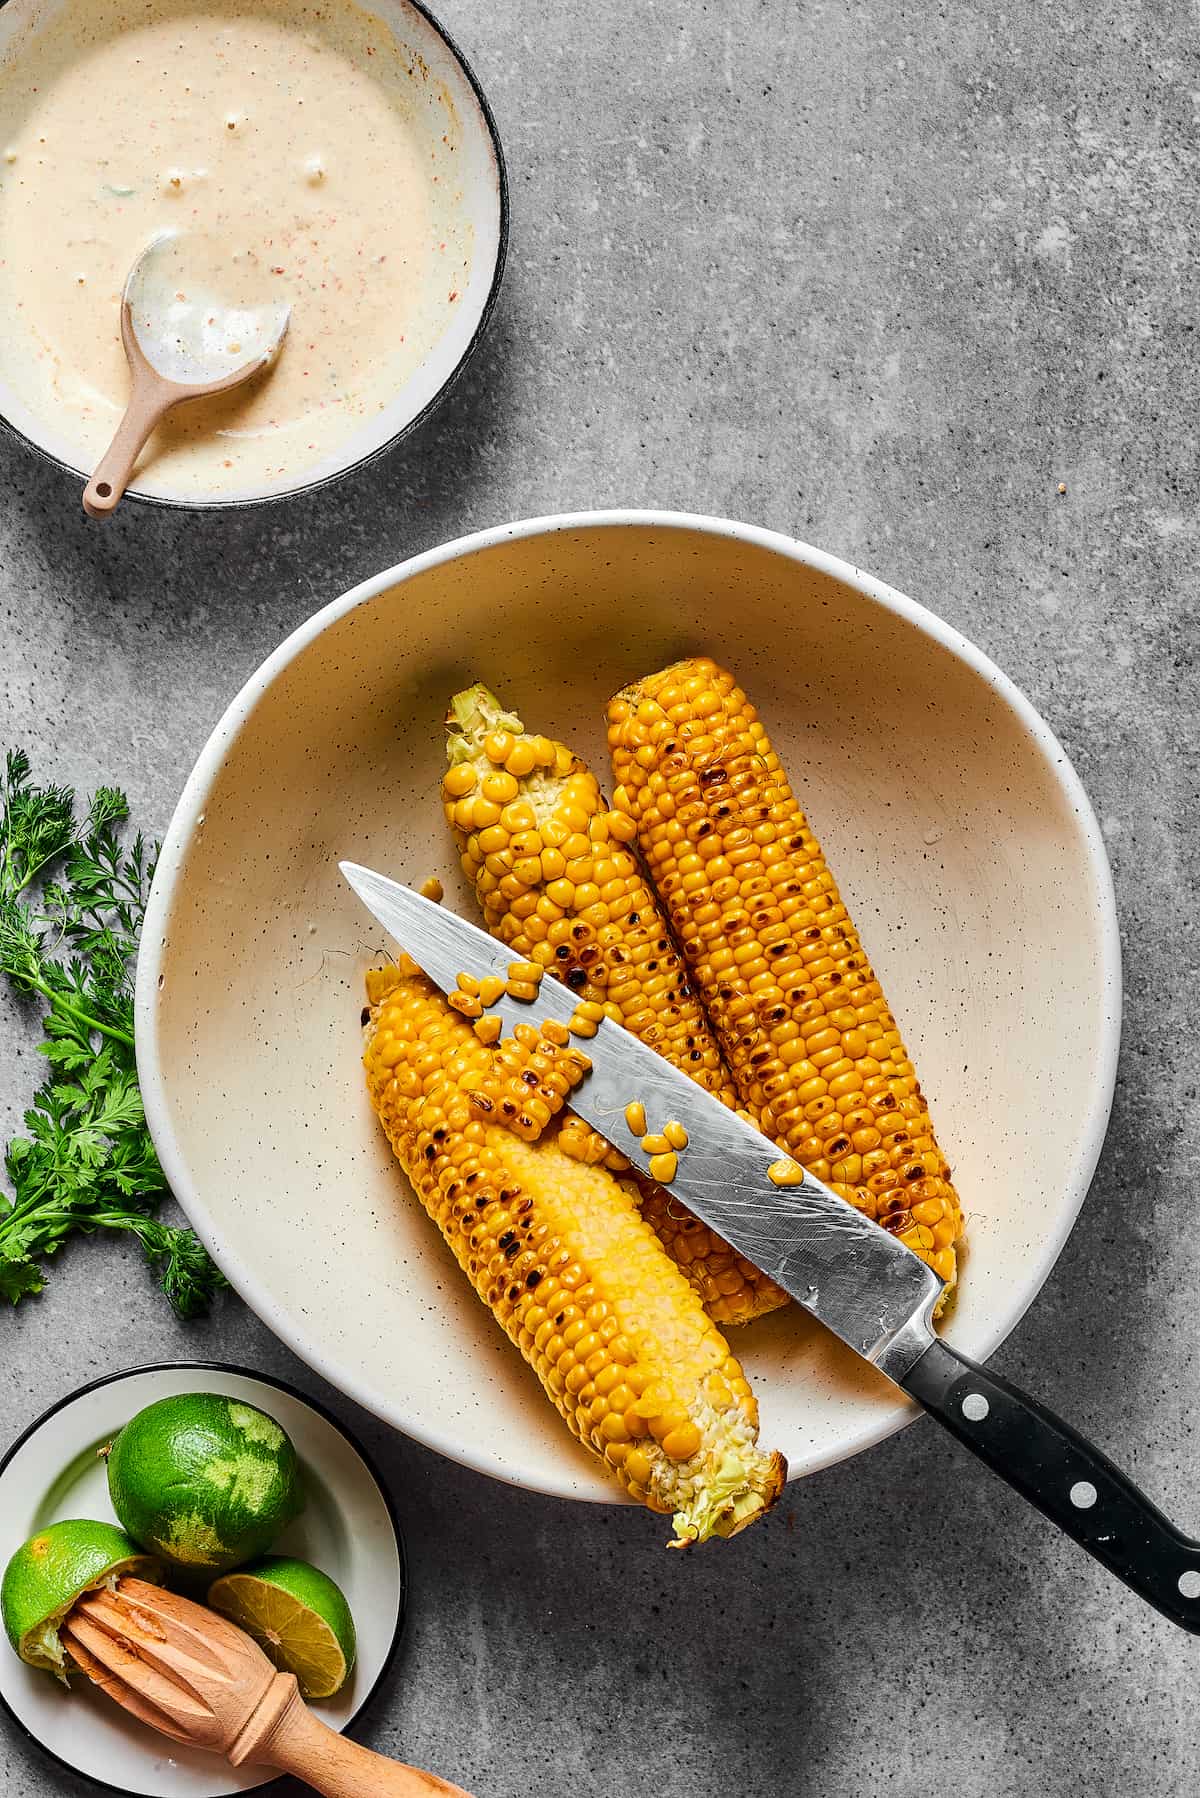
(962, 839)
(449, 91)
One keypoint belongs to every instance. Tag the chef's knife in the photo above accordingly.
(862, 1283)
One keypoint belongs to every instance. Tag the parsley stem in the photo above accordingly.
(81, 1017)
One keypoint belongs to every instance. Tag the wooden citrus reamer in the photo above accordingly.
(198, 1678)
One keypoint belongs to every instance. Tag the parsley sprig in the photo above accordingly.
(72, 901)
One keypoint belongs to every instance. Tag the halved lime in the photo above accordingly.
(205, 1481)
(297, 1614)
(50, 1571)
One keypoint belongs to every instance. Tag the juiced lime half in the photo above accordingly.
(50, 1571)
(297, 1615)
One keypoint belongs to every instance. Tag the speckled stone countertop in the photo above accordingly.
(886, 278)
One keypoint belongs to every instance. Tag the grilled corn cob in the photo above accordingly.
(562, 1255)
(550, 865)
(799, 1014)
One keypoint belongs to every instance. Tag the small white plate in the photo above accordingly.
(347, 1528)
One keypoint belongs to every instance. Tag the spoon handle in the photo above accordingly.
(296, 1742)
(149, 401)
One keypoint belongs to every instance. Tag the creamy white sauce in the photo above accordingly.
(305, 139)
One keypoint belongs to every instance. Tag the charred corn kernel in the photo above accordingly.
(432, 889)
(490, 989)
(466, 1005)
(664, 1168)
(635, 1118)
(560, 1253)
(468, 983)
(773, 952)
(785, 1173)
(676, 1135)
(591, 917)
(488, 1030)
(655, 1144)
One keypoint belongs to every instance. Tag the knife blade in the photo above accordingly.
(863, 1284)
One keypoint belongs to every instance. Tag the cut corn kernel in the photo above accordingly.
(799, 1013)
(432, 889)
(490, 989)
(603, 934)
(655, 1144)
(785, 1173)
(664, 1168)
(676, 1135)
(569, 1268)
(488, 1030)
(529, 971)
(635, 1118)
(585, 1144)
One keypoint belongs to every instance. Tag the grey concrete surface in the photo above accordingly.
(882, 277)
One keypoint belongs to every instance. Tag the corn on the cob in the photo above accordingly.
(562, 1255)
(774, 955)
(550, 865)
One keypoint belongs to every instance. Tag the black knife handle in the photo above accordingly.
(1076, 1486)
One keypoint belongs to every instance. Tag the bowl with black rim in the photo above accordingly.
(480, 167)
(348, 1528)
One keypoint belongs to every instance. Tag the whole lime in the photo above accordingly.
(54, 1568)
(297, 1614)
(205, 1481)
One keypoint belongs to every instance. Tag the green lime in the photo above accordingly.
(46, 1576)
(205, 1481)
(297, 1614)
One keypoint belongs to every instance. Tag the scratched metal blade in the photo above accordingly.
(861, 1282)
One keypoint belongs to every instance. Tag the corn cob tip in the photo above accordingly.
(732, 1498)
(561, 1255)
(472, 715)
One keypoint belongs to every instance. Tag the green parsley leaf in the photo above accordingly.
(72, 902)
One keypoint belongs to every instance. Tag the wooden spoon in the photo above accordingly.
(186, 333)
(200, 1679)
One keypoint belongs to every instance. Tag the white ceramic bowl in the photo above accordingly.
(484, 206)
(962, 840)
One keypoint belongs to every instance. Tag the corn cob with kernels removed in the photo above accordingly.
(562, 1255)
(773, 953)
(553, 872)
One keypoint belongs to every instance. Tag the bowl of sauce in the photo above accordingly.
(345, 157)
